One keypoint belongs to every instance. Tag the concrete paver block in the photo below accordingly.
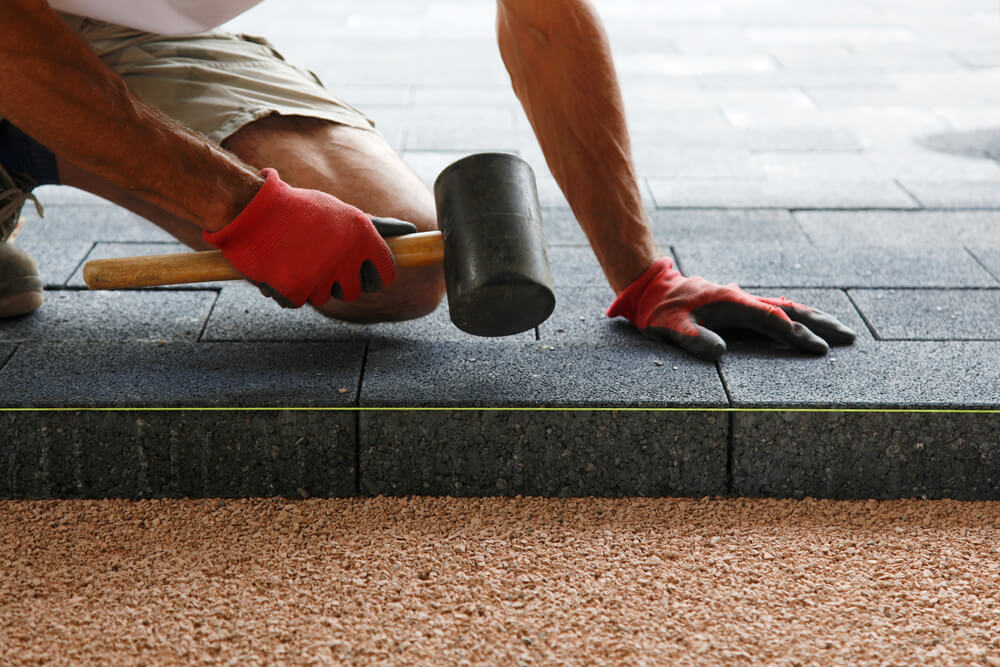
(990, 259)
(782, 193)
(114, 315)
(561, 453)
(242, 314)
(57, 260)
(92, 222)
(142, 454)
(866, 455)
(889, 229)
(931, 314)
(857, 266)
(137, 374)
(751, 226)
(953, 193)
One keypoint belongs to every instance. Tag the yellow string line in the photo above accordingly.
(511, 409)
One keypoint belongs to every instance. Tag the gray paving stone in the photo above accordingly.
(664, 161)
(506, 451)
(102, 222)
(561, 227)
(954, 194)
(820, 78)
(931, 314)
(241, 314)
(990, 259)
(575, 266)
(742, 226)
(72, 315)
(511, 374)
(57, 260)
(795, 193)
(854, 266)
(129, 374)
(580, 316)
(883, 374)
(465, 138)
(866, 455)
(141, 454)
(928, 229)
(913, 165)
(561, 453)
(488, 96)
(6, 349)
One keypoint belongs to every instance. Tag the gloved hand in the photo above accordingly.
(684, 311)
(302, 245)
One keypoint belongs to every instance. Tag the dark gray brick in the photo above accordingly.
(884, 374)
(867, 455)
(798, 193)
(106, 250)
(579, 316)
(575, 266)
(136, 454)
(742, 226)
(858, 266)
(242, 314)
(118, 315)
(6, 350)
(124, 374)
(560, 453)
(103, 222)
(500, 373)
(931, 314)
(57, 260)
(931, 229)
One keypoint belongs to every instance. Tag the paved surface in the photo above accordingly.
(500, 581)
(845, 155)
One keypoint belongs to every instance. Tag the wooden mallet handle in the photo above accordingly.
(419, 249)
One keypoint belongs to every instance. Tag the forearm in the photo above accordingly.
(560, 66)
(59, 92)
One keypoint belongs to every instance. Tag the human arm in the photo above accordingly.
(299, 242)
(559, 60)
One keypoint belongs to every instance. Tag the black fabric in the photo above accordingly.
(27, 161)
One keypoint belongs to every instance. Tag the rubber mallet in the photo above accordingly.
(496, 265)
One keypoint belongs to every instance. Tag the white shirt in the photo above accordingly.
(167, 17)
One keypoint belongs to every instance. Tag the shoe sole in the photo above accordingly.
(20, 304)
(20, 296)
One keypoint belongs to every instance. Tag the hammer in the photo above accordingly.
(496, 267)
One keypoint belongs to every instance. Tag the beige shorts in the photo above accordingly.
(213, 82)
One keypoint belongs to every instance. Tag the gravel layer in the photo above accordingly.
(500, 581)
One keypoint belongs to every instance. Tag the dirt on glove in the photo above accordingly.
(500, 581)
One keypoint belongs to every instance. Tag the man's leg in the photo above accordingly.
(355, 165)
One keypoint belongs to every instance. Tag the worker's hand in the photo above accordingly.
(688, 311)
(302, 245)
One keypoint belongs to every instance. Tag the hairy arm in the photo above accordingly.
(559, 61)
(58, 91)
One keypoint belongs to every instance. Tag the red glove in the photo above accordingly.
(684, 311)
(305, 245)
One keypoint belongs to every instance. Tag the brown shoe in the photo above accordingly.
(20, 286)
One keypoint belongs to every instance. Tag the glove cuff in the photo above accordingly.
(249, 236)
(628, 303)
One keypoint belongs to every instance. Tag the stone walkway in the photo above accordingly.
(841, 154)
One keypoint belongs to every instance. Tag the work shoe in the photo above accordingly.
(20, 286)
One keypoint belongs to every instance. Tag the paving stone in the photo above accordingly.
(841, 267)
(784, 193)
(820, 78)
(57, 260)
(137, 374)
(931, 314)
(561, 227)
(118, 315)
(106, 250)
(104, 222)
(921, 165)
(142, 454)
(928, 229)
(561, 453)
(241, 314)
(954, 194)
(866, 455)
(488, 96)
(6, 349)
(506, 451)
(990, 259)
(882, 374)
(771, 226)
(465, 138)
(575, 266)
(660, 162)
